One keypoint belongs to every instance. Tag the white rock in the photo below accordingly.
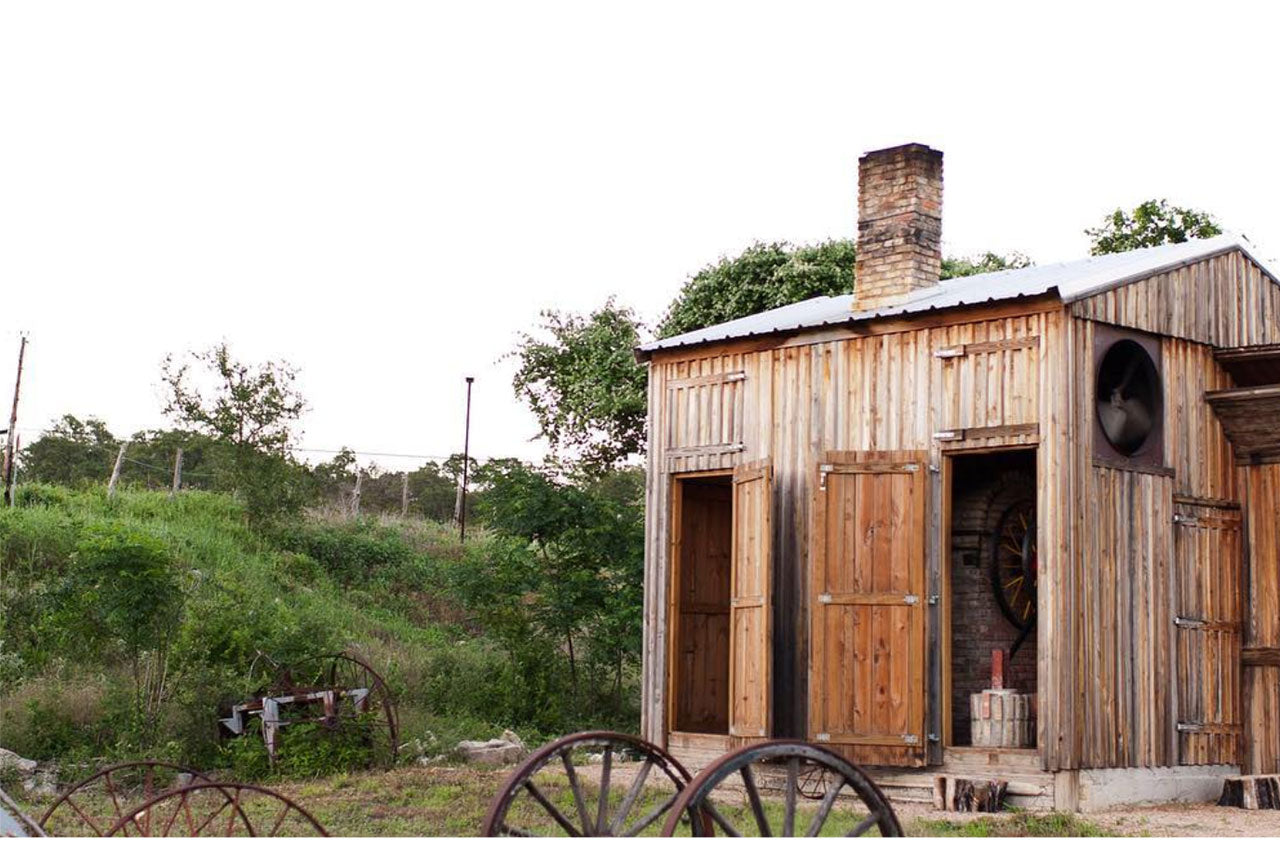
(508, 749)
(14, 761)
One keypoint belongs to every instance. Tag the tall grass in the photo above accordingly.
(319, 584)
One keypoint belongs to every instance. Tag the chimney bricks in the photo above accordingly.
(899, 224)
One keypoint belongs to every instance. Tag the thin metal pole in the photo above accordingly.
(466, 461)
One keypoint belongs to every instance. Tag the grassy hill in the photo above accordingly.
(88, 671)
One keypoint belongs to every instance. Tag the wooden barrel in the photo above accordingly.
(1002, 718)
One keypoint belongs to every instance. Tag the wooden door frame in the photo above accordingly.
(947, 472)
(672, 611)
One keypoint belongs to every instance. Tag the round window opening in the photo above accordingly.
(1128, 396)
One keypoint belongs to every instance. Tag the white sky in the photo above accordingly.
(386, 193)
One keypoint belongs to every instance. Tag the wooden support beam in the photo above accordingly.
(955, 793)
(1253, 792)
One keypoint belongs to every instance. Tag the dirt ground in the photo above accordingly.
(1178, 820)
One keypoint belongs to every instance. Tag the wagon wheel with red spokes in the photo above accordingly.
(729, 796)
(218, 809)
(593, 784)
(91, 807)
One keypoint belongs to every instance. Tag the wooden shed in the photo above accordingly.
(854, 501)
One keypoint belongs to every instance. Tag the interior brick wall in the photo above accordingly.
(985, 488)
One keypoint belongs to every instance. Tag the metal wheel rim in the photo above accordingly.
(695, 801)
(1028, 549)
(495, 825)
(65, 798)
(233, 793)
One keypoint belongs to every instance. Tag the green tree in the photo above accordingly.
(253, 410)
(71, 451)
(762, 277)
(127, 597)
(586, 532)
(956, 266)
(582, 383)
(1150, 224)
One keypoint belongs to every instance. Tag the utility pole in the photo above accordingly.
(404, 494)
(466, 461)
(115, 471)
(12, 434)
(355, 495)
(177, 474)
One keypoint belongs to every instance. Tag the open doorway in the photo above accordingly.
(992, 576)
(702, 555)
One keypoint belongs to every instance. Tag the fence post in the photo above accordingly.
(115, 471)
(177, 474)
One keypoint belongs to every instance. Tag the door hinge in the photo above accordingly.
(911, 739)
(823, 470)
(949, 435)
(824, 598)
(822, 736)
(911, 599)
(949, 352)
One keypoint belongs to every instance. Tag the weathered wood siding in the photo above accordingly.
(1132, 579)
(750, 616)
(986, 380)
(1261, 485)
(1224, 301)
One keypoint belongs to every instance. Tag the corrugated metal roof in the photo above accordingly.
(1071, 280)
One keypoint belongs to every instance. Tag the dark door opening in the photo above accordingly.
(992, 578)
(703, 543)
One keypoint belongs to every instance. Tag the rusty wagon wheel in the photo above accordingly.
(557, 791)
(1014, 564)
(218, 809)
(90, 807)
(851, 804)
(363, 707)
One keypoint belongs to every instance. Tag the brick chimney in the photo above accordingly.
(899, 224)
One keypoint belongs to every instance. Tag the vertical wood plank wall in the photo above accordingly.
(1261, 485)
(793, 402)
(1224, 301)
(1127, 585)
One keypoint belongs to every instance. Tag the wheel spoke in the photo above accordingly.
(512, 831)
(715, 814)
(284, 812)
(753, 794)
(551, 809)
(97, 831)
(576, 787)
(789, 810)
(168, 826)
(864, 826)
(651, 816)
(633, 791)
(824, 810)
(602, 808)
(226, 801)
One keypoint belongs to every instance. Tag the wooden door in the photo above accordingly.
(867, 665)
(750, 608)
(1208, 625)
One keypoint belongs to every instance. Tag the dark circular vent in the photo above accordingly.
(1128, 396)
